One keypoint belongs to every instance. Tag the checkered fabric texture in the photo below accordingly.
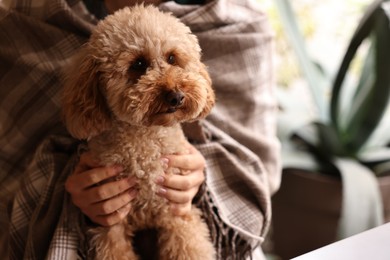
(37, 38)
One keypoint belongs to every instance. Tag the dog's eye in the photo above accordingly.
(171, 59)
(139, 64)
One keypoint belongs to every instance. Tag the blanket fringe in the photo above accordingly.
(228, 243)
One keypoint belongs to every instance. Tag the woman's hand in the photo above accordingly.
(107, 203)
(181, 189)
(104, 203)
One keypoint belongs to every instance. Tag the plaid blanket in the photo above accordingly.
(38, 221)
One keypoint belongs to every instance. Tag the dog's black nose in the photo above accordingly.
(174, 98)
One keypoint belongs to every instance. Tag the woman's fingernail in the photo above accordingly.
(133, 193)
(160, 179)
(164, 162)
(124, 210)
(161, 191)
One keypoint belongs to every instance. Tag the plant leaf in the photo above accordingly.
(375, 155)
(366, 117)
(370, 113)
(363, 88)
(363, 30)
(362, 206)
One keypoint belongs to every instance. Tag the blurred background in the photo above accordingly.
(327, 27)
(332, 69)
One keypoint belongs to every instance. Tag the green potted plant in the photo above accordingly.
(336, 168)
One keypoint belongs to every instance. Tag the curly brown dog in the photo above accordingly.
(127, 91)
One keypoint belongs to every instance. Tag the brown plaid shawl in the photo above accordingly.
(238, 139)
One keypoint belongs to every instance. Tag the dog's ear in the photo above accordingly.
(85, 112)
(210, 93)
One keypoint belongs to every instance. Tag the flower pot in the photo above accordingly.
(306, 211)
(384, 185)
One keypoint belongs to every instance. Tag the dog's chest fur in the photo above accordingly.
(139, 150)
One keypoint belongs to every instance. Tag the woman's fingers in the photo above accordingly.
(97, 192)
(111, 219)
(180, 190)
(110, 212)
(107, 201)
(104, 191)
(182, 182)
(191, 161)
(83, 180)
(178, 196)
(112, 205)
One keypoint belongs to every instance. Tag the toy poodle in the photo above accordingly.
(126, 92)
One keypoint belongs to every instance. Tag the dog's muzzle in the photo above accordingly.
(174, 100)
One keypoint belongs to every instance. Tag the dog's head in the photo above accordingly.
(140, 66)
